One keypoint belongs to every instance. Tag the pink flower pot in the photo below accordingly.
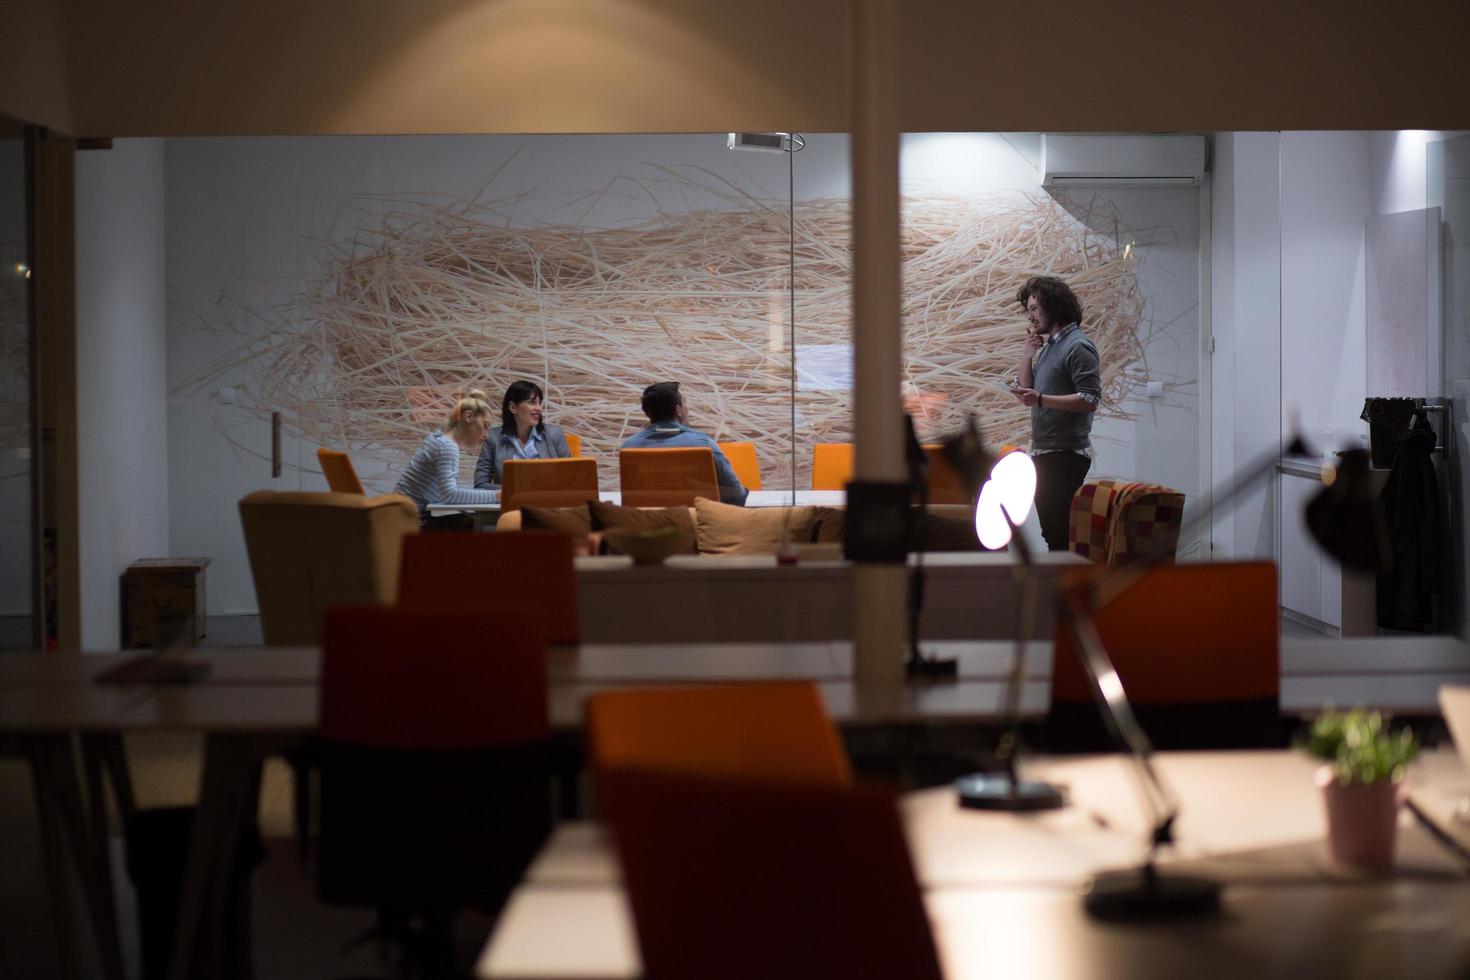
(1362, 820)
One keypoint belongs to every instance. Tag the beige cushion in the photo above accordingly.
(606, 517)
(724, 529)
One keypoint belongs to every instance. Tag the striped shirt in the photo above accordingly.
(432, 476)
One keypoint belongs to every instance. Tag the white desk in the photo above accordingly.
(1000, 889)
(757, 498)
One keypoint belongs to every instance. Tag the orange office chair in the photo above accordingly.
(831, 465)
(742, 460)
(667, 477)
(773, 730)
(574, 443)
(531, 570)
(1197, 648)
(548, 483)
(433, 752)
(730, 879)
(338, 469)
(943, 480)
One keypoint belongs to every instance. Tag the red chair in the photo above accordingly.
(731, 879)
(530, 570)
(1197, 649)
(433, 752)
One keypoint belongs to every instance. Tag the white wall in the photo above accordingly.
(1246, 300)
(121, 374)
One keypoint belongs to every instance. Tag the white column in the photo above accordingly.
(878, 590)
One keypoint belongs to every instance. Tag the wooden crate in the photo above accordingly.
(164, 589)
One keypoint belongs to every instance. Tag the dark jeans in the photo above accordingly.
(1058, 475)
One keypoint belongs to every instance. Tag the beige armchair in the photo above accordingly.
(309, 551)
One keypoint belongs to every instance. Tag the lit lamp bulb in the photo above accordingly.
(1012, 485)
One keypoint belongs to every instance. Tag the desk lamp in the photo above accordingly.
(1344, 520)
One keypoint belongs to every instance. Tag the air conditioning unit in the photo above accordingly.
(1121, 160)
(770, 142)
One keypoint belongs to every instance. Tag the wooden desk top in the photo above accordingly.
(1001, 890)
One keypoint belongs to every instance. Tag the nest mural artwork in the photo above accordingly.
(426, 302)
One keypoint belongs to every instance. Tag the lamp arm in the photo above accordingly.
(1159, 800)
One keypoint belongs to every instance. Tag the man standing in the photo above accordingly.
(1062, 389)
(668, 428)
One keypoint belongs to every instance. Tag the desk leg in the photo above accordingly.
(227, 787)
(59, 802)
(52, 844)
(94, 750)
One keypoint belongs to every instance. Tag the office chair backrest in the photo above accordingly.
(667, 477)
(743, 461)
(548, 483)
(309, 551)
(1186, 637)
(943, 480)
(435, 780)
(738, 878)
(574, 443)
(433, 679)
(339, 471)
(530, 570)
(773, 730)
(831, 465)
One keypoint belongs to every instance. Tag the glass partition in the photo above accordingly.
(17, 596)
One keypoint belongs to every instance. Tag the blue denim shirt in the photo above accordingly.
(1066, 365)
(673, 435)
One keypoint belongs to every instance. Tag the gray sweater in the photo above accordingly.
(1066, 365)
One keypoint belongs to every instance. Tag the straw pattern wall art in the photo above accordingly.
(426, 301)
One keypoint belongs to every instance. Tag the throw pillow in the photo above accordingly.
(827, 525)
(565, 520)
(606, 516)
(725, 529)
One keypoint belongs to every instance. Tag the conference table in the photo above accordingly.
(1002, 891)
(254, 702)
(756, 498)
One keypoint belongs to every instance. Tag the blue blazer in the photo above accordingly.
(501, 446)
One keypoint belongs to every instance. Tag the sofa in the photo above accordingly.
(711, 528)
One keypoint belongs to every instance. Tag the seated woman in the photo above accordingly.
(522, 434)
(432, 475)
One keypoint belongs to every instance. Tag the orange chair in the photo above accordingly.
(531, 570)
(574, 443)
(548, 483)
(1197, 649)
(667, 477)
(733, 879)
(775, 730)
(743, 461)
(831, 465)
(338, 469)
(435, 785)
(943, 480)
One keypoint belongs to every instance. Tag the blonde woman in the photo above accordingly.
(432, 475)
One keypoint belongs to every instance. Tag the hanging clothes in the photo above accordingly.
(1388, 425)
(1410, 503)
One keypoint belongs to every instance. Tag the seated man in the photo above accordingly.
(669, 429)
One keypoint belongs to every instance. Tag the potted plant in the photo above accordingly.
(1362, 783)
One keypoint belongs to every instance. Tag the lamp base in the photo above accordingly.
(946, 668)
(994, 791)
(1140, 894)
